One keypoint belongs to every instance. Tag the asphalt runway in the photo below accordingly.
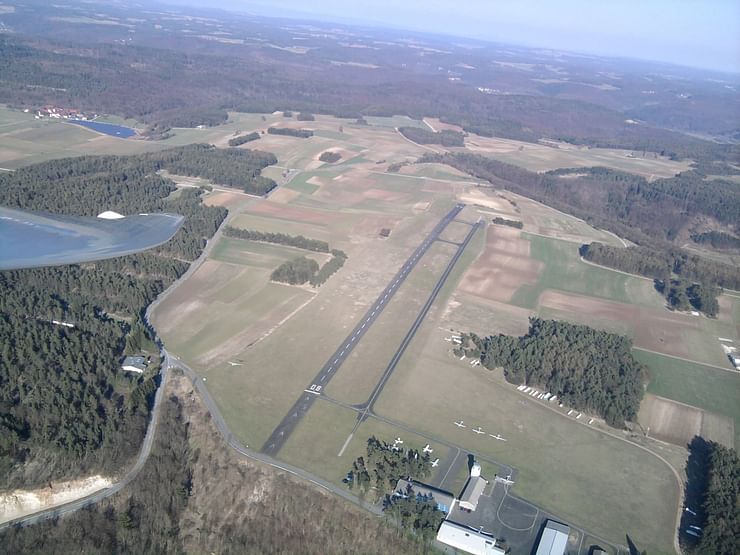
(282, 432)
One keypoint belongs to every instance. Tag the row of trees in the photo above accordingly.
(588, 369)
(422, 136)
(298, 241)
(242, 139)
(66, 405)
(332, 266)
(511, 223)
(290, 132)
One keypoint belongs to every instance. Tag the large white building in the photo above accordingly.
(554, 539)
(467, 540)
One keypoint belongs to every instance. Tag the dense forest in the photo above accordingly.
(127, 183)
(717, 240)
(297, 241)
(242, 139)
(88, 415)
(713, 496)
(721, 532)
(196, 82)
(422, 136)
(645, 212)
(194, 495)
(290, 132)
(588, 369)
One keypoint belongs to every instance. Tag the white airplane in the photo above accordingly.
(435, 462)
(235, 363)
(497, 436)
(397, 441)
(478, 430)
(459, 424)
(428, 449)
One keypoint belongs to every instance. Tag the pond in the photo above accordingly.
(108, 128)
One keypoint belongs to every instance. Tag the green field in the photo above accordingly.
(694, 384)
(565, 271)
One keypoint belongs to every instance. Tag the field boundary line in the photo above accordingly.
(707, 364)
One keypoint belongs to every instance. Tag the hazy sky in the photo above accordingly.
(701, 33)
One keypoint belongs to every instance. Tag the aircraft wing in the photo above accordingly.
(33, 239)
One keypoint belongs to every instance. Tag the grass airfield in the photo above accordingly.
(258, 344)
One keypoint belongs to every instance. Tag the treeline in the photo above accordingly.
(713, 490)
(290, 132)
(330, 157)
(660, 264)
(422, 136)
(721, 533)
(588, 369)
(298, 241)
(67, 408)
(644, 212)
(511, 223)
(717, 240)
(241, 139)
(329, 268)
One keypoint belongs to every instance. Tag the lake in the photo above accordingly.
(108, 128)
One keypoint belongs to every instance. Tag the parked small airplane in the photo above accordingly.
(478, 430)
(428, 449)
(397, 441)
(459, 424)
(435, 462)
(497, 436)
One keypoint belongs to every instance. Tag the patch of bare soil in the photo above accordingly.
(503, 267)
